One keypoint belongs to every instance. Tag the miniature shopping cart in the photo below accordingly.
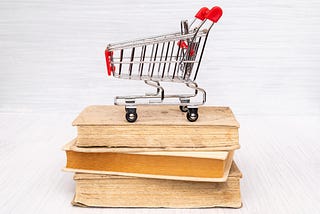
(172, 57)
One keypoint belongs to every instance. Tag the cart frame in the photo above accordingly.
(166, 58)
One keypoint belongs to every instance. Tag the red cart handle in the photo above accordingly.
(214, 14)
(202, 13)
(110, 67)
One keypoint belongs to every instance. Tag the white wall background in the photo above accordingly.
(262, 59)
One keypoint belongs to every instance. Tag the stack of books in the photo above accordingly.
(161, 160)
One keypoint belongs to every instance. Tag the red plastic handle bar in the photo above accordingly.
(202, 13)
(214, 14)
(110, 68)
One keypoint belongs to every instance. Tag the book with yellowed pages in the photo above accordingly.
(203, 166)
(97, 190)
(106, 126)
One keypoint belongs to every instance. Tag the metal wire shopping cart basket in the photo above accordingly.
(172, 57)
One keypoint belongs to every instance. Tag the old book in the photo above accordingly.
(157, 127)
(94, 190)
(210, 166)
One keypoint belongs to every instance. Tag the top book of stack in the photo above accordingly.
(106, 126)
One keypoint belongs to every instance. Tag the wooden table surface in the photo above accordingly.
(262, 60)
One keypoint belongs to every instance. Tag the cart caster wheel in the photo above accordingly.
(131, 115)
(192, 114)
(183, 108)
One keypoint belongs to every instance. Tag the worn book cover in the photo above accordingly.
(96, 190)
(157, 127)
(210, 166)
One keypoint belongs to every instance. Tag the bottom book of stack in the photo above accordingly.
(99, 190)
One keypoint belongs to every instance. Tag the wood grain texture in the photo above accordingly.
(279, 157)
(262, 59)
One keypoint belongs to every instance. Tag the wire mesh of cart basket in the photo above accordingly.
(174, 57)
